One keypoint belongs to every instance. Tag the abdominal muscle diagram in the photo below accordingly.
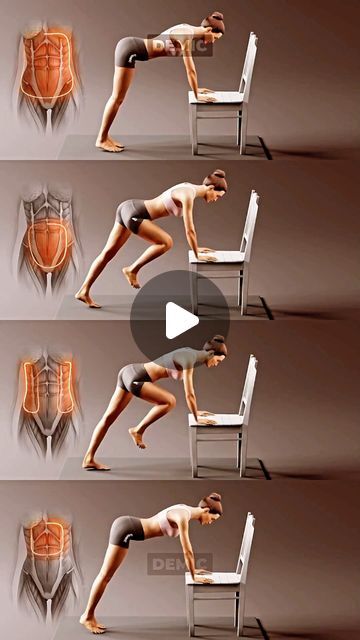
(48, 247)
(48, 412)
(47, 79)
(48, 581)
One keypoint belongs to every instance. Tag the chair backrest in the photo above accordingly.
(248, 234)
(245, 549)
(246, 76)
(247, 394)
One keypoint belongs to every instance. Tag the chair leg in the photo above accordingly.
(238, 451)
(193, 129)
(243, 132)
(236, 609)
(244, 292)
(194, 290)
(193, 452)
(238, 128)
(240, 620)
(243, 452)
(240, 283)
(190, 609)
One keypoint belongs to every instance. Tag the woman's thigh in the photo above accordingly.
(150, 232)
(114, 556)
(156, 395)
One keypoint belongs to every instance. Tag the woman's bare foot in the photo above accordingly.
(92, 624)
(117, 144)
(85, 297)
(137, 437)
(90, 464)
(131, 277)
(109, 145)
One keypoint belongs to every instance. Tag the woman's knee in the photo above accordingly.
(108, 254)
(167, 243)
(171, 402)
(116, 100)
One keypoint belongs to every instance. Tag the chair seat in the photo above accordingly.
(222, 257)
(222, 420)
(221, 97)
(218, 578)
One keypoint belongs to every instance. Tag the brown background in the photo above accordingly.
(305, 90)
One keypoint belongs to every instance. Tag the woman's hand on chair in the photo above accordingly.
(203, 580)
(204, 90)
(201, 97)
(205, 413)
(205, 421)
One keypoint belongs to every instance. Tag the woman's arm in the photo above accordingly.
(191, 72)
(188, 203)
(183, 526)
(190, 396)
(200, 416)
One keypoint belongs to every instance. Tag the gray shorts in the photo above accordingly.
(132, 377)
(131, 213)
(128, 50)
(125, 529)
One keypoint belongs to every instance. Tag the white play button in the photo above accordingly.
(178, 320)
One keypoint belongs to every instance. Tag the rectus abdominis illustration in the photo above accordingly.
(49, 246)
(48, 403)
(49, 79)
(49, 578)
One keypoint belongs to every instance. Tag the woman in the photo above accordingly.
(176, 41)
(139, 380)
(172, 521)
(138, 216)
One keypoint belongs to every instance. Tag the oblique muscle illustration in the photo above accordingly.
(48, 407)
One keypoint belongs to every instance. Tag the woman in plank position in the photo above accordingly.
(175, 41)
(139, 380)
(139, 217)
(172, 521)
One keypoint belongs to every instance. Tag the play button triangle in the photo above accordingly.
(178, 320)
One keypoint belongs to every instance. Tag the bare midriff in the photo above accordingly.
(154, 47)
(155, 371)
(151, 527)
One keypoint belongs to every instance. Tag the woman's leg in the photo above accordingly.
(160, 241)
(113, 558)
(117, 404)
(116, 240)
(164, 402)
(122, 80)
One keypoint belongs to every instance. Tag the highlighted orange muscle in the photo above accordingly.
(48, 74)
(47, 539)
(48, 242)
(31, 401)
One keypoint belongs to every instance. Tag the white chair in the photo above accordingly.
(229, 264)
(231, 585)
(233, 426)
(226, 102)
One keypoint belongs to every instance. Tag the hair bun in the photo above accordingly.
(217, 15)
(215, 496)
(217, 180)
(220, 173)
(219, 338)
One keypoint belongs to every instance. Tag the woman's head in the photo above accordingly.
(217, 351)
(217, 185)
(214, 25)
(211, 508)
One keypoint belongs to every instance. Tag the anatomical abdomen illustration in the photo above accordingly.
(49, 80)
(49, 577)
(49, 407)
(49, 246)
